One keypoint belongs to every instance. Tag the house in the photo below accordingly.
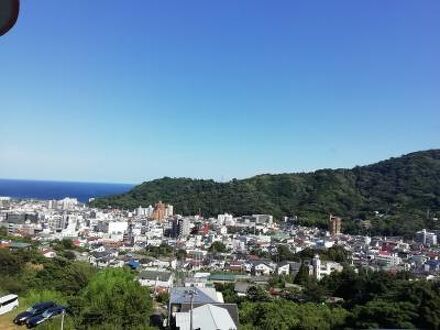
(14, 246)
(283, 268)
(387, 259)
(199, 279)
(205, 317)
(328, 267)
(432, 266)
(182, 298)
(48, 253)
(101, 257)
(236, 266)
(156, 279)
(241, 288)
(263, 268)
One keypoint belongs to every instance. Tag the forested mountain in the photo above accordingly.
(408, 187)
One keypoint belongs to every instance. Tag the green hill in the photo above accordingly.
(407, 187)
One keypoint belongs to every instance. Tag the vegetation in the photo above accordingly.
(106, 299)
(113, 299)
(405, 191)
(163, 250)
(370, 300)
(285, 315)
(335, 253)
(217, 247)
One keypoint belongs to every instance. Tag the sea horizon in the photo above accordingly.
(54, 189)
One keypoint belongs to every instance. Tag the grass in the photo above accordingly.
(32, 297)
(6, 319)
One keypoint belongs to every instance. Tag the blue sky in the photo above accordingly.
(126, 91)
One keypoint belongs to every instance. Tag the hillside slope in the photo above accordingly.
(410, 183)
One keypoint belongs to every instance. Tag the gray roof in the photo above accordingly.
(241, 287)
(231, 308)
(181, 295)
(153, 275)
(19, 245)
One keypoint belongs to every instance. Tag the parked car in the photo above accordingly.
(32, 311)
(47, 314)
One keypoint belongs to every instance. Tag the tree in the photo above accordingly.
(113, 299)
(181, 254)
(10, 263)
(302, 277)
(383, 314)
(285, 315)
(228, 292)
(217, 247)
(163, 250)
(284, 254)
(257, 293)
(402, 188)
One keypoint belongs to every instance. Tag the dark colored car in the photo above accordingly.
(47, 314)
(32, 311)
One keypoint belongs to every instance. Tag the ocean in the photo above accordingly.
(58, 190)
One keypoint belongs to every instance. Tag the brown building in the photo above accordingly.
(159, 212)
(334, 225)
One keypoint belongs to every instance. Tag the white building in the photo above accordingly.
(206, 317)
(324, 268)
(388, 259)
(115, 227)
(169, 211)
(156, 279)
(316, 263)
(225, 219)
(263, 218)
(263, 268)
(67, 203)
(426, 237)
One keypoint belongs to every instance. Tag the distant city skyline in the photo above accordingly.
(106, 91)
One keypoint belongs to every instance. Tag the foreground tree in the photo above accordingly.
(113, 300)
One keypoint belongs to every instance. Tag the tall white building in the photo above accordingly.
(149, 211)
(426, 237)
(263, 218)
(316, 263)
(169, 211)
(140, 211)
(225, 219)
(67, 203)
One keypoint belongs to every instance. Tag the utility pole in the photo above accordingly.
(62, 320)
(191, 295)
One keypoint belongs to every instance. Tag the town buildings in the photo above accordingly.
(170, 251)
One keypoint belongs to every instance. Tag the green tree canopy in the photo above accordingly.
(113, 298)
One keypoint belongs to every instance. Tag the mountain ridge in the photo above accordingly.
(399, 185)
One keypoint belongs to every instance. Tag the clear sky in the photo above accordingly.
(126, 91)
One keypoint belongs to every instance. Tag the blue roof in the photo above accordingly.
(433, 263)
(133, 264)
